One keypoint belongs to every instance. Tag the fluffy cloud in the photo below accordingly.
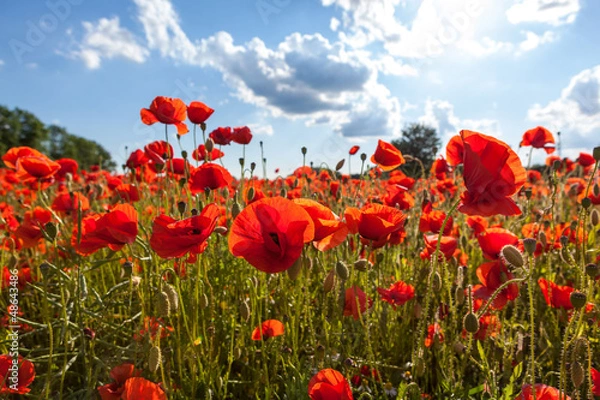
(107, 39)
(576, 112)
(440, 115)
(533, 40)
(553, 12)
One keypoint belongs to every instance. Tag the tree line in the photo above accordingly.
(22, 128)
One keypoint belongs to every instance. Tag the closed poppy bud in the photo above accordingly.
(471, 323)
(329, 281)
(342, 270)
(209, 145)
(50, 230)
(303, 150)
(236, 209)
(459, 294)
(294, 271)
(436, 282)
(512, 256)
(161, 302)
(203, 301)
(543, 238)
(596, 153)
(250, 195)
(578, 299)
(577, 373)
(245, 311)
(181, 207)
(363, 156)
(595, 217)
(283, 193)
(154, 358)
(173, 297)
(592, 270)
(528, 193)
(529, 245)
(458, 347)
(563, 240)
(340, 164)
(362, 265)
(586, 202)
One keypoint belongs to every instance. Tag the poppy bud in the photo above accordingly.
(241, 160)
(252, 166)
(162, 304)
(586, 202)
(340, 164)
(596, 190)
(563, 240)
(459, 294)
(458, 347)
(209, 145)
(173, 297)
(577, 373)
(283, 193)
(363, 156)
(556, 165)
(596, 153)
(126, 269)
(543, 239)
(595, 217)
(329, 281)
(528, 193)
(184, 154)
(471, 323)
(436, 282)
(342, 270)
(181, 207)
(512, 256)
(51, 231)
(578, 299)
(362, 265)
(154, 358)
(203, 301)
(245, 311)
(250, 195)
(294, 271)
(182, 182)
(303, 150)
(221, 230)
(194, 212)
(225, 192)
(529, 245)
(236, 209)
(592, 270)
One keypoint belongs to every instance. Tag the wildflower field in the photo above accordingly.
(179, 279)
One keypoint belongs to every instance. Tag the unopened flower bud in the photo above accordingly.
(294, 271)
(471, 323)
(340, 164)
(577, 374)
(173, 297)
(596, 153)
(51, 230)
(578, 299)
(342, 270)
(586, 202)
(329, 281)
(236, 209)
(209, 145)
(154, 358)
(595, 217)
(184, 154)
(245, 311)
(181, 207)
(362, 265)
(529, 245)
(89, 333)
(303, 150)
(161, 302)
(250, 195)
(592, 270)
(363, 156)
(512, 256)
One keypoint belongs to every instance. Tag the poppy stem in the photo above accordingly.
(196, 147)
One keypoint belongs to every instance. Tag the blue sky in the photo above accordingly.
(325, 74)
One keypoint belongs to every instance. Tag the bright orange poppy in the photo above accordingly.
(539, 138)
(268, 329)
(330, 231)
(387, 156)
(329, 384)
(167, 110)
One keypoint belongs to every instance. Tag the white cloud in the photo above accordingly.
(484, 47)
(261, 129)
(553, 12)
(1, 63)
(576, 112)
(107, 39)
(334, 24)
(533, 41)
(440, 115)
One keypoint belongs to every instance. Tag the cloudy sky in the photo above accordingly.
(325, 74)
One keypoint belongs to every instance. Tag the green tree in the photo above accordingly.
(22, 128)
(420, 141)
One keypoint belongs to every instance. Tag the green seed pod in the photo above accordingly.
(529, 245)
(564, 240)
(363, 156)
(459, 294)
(578, 299)
(303, 150)
(154, 358)
(250, 195)
(173, 297)
(436, 282)
(596, 153)
(329, 281)
(586, 202)
(294, 271)
(592, 270)
(577, 374)
(342, 270)
(51, 231)
(512, 256)
(340, 164)
(596, 189)
(283, 193)
(161, 302)
(471, 323)
(236, 209)
(181, 207)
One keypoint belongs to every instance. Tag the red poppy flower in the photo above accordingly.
(200, 154)
(489, 326)
(177, 166)
(440, 168)
(211, 176)
(30, 230)
(492, 275)
(542, 392)
(171, 238)
(595, 381)
(492, 174)
(431, 220)
(447, 246)
(13, 154)
(330, 231)
(159, 152)
(67, 166)
(120, 374)
(477, 223)
(493, 240)
(586, 160)
(455, 151)
(539, 138)
(556, 296)
(329, 384)
(128, 192)
(398, 196)
(70, 202)
(199, 112)
(140, 388)
(356, 302)
(374, 222)
(434, 332)
(137, 159)
(398, 293)
(167, 110)
(241, 135)
(270, 234)
(113, 230)
(31, 168)
(152, 326)
(10, 383)
(221, 135)
(268, 329)
(354, 150)
(387, 156)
